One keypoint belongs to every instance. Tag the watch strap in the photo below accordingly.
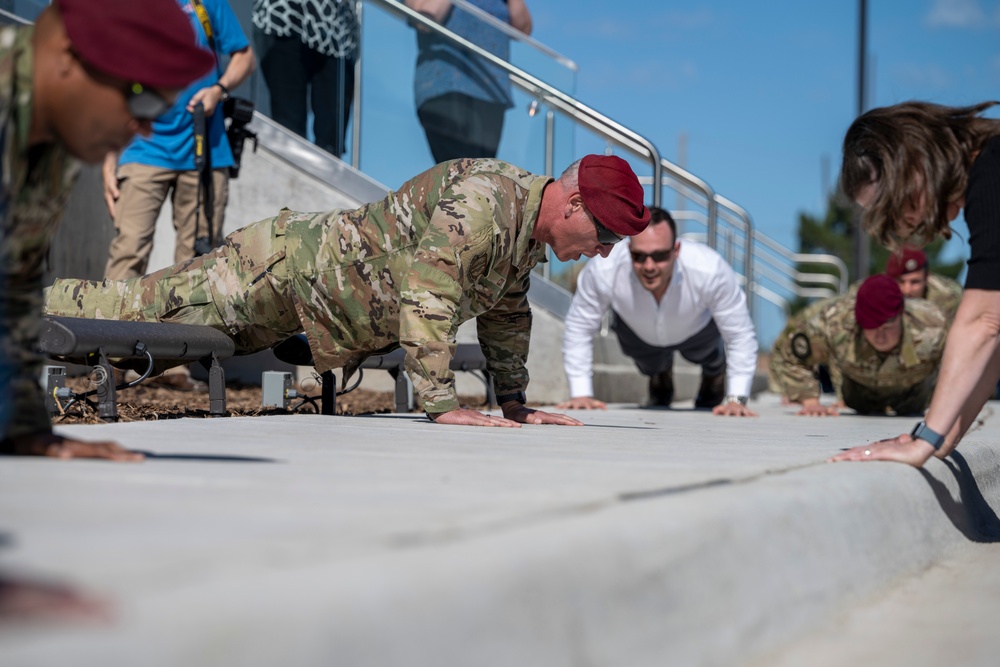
(924, 432)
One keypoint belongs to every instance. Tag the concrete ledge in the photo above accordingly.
(649, 537)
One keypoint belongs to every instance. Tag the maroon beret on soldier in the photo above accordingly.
(907, 260)
(146, 41)
(879, 300)
(612, 194)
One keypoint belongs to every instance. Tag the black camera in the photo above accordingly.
(238, 112)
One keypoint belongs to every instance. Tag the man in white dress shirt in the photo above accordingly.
(664, 298)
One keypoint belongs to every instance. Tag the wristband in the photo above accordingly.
(225, 91)
(923, 432)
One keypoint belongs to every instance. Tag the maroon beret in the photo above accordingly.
(612, 194)
(906, 261)
(147, 41)
(879, 300)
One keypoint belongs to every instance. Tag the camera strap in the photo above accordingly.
(202, 154)
(206, 24)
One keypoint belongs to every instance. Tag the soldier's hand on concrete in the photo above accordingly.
(109, 174)
(733, 410)
(525, 415)
(464, 417)
(902, 448)
(56, 446)
(582, 403)
(811, 407)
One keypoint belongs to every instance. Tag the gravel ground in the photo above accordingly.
(142, 403)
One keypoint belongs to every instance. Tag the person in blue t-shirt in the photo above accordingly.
(461, 99)
(137, 182)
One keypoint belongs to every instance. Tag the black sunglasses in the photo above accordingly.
(605, 236)
(658, 256)
(143, 103)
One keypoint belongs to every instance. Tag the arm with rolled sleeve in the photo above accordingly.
(590, 303)
(728, 305)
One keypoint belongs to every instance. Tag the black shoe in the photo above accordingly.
(661, 389)
(712, 390)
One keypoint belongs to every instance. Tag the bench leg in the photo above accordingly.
(403, 390)
(216, 387)
(107, 407)
(328, 399)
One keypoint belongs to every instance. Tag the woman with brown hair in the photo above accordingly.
(913, 167)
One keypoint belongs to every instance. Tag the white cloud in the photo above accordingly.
(956, 14)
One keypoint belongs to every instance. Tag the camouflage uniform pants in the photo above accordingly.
(875, 400)
(240, 288)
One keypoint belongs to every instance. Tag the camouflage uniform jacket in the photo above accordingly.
(944, 293)
(827, 333)
(35, 185)
(451, 244)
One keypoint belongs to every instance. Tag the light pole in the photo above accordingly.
(862, 251)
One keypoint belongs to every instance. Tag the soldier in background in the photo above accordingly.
(909, 268)
(883, 351)
(453, 243)
(83, 80)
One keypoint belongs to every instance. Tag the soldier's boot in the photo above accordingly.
(661, 389)
(712, 390)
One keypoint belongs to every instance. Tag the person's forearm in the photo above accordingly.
(520, 17)
(970, 411)
(968, 355)
(434, 9)
(241, 65)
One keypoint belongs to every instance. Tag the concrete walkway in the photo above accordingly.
(945, 616)
(646, 537)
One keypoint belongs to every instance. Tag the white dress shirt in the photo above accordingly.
(704, 287)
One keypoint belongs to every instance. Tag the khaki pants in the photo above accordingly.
(144, 189)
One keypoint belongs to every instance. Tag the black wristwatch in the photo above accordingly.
(923, 432)
(225, 91)
(516, 396)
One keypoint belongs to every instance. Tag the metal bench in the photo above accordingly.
(468, 357)
(96, 342)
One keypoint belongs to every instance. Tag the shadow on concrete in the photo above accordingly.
(206, 458)
(971, 513)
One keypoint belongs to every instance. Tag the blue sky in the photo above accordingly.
(764, 90)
